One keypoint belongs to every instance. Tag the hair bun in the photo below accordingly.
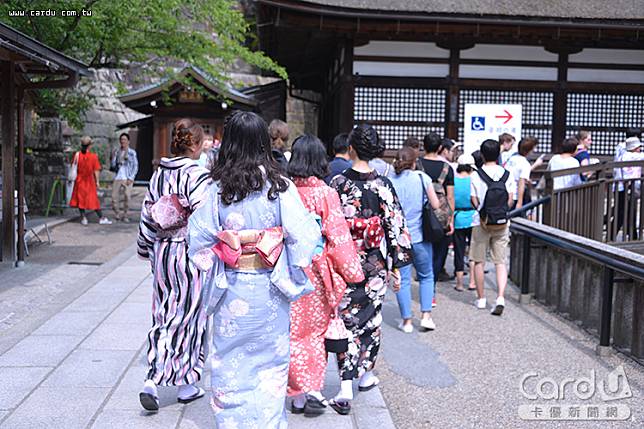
(185, 135)
(366, 142)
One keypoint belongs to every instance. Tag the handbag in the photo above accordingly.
(73, 170)
(336, 337)
(433, 230)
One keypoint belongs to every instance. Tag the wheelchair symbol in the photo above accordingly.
(478, 123)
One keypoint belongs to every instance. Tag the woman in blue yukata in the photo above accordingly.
(254, 237)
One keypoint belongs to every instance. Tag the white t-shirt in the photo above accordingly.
(505, 156)
(632, 172)
(519, 167)
(479, 188)
(558, 162)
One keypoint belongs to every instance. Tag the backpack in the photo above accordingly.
(444, 211)
(495, 205)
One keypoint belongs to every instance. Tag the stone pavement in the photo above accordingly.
(83, 368)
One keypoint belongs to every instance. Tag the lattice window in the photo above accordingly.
(606, 116)
(537, 111)
(398, 113)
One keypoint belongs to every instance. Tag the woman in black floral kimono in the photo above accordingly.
(379, 230)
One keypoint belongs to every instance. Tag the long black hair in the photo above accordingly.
(245, 147)
(308, 158)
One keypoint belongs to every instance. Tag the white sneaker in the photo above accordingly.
(84, 221)
(427, 324)
(105, 221)
(481, 304)
(499, 307)
(407, 329)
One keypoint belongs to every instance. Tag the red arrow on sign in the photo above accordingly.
(507, 116)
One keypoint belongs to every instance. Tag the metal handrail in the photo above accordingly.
(630, 264)
(630, 268)
(529, 206)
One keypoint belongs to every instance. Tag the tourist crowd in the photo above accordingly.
(288, 256)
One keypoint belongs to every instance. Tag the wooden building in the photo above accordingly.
(25, 64)
(410, 66)
(192, 94)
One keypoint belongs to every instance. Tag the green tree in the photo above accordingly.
(152, 37)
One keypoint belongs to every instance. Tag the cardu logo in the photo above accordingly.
(575, 390)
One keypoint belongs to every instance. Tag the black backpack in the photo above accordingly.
(495, 205)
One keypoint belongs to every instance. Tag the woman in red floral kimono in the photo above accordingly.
(337, 264)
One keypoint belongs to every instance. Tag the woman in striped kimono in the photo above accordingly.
(176, 339)
(254, 237)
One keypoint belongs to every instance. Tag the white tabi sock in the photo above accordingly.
(346, 390)
(187, 391)
(317, 395)
(150, 387)
(368, 379)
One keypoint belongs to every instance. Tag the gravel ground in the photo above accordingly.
(467, 373)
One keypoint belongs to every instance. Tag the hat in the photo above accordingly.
(633, 143)
(466, 159)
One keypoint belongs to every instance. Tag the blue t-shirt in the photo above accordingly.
(411, 193)
(463, 202)
(337, 166)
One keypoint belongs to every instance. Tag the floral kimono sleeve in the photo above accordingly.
(203, 224)
(301, 231)
(395, 226)
(339, 244)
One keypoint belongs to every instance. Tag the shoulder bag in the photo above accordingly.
(433, 230)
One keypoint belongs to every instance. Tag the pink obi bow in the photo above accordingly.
(170, 211)
(267, 243)
(367, 233)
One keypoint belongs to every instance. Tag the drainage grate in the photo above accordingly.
(84, 263)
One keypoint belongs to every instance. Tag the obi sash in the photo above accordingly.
(367, 233)
(250, 249)
(170, 213)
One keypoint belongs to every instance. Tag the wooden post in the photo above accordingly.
(21, 178)
(347, 96)
(452, 102)
(8, 159)
(560, 103)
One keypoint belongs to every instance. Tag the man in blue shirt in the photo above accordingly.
(341, 161)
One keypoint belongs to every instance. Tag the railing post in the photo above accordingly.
(525, 272)
(606, 312)
(600, 212)
(550, 206)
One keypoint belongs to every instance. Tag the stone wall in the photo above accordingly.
(44, 162)
(106, 114)
(301, 115)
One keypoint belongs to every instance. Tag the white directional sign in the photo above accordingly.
(488, 121)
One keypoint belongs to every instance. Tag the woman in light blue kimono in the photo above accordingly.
(254, 237)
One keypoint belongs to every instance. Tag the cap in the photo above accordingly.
(633, 143)
(466, 159)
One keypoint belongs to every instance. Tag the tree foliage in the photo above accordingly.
(150, 37)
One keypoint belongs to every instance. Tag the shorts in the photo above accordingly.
(496, 239)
